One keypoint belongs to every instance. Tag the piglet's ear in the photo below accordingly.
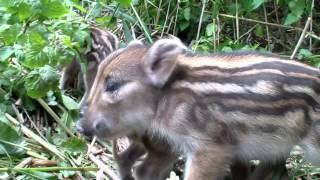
(161, 60)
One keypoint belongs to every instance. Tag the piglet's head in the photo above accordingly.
(128, 87)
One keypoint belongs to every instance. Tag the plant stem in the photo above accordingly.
(32, 135)
(51, 169)
(307, 25)
(200, 20)
(144, 28)
(55, 117)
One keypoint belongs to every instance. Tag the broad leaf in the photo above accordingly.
(24, 11)
(296, 10)
(74, 145)
(39, 81)
(69, 102)
(53, 9)
(186, 13)
(5, 53)
(124, 3)
(210, 29)
(9, 134)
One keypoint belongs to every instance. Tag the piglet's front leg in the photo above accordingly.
(210, 163)
(126, 159)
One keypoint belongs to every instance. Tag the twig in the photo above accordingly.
(261, 22)
(218, 31)
(24, 163)
(214, 35)
(91, 145)
(200, 20)
(105, 168)
(50, 169)
(251, 29)
(33, 124)
(176, 18)
(21, 120)
(237, 21)
(302, 36)
(132, 31)
(271, 24)
(171, 21)
(311, 25)
(42, 162)
(166, 19)
(145, 30)
(158, 13)
(35, 137)
(55, 117)
(36, 155)
(267, 27)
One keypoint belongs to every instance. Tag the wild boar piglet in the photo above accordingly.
(211, 108)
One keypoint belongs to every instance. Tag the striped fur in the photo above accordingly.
(102, 44)
(214, 109)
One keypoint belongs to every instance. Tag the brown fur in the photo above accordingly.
(153, 90)
(153, 166)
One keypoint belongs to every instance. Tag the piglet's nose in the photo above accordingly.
(83, 111)
(100, 126)
(81, 128)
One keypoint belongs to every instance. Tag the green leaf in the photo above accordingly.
(9, 35)
(53, 9)
(296, 10)
(35, 58)
(210, 29)
(257, 3)
(297, 6)
(4, 27)
(69, 102)
(226, 49)
(74, 145)
(51, 99)
(183, 25)
(39, 81)
(259, 31)
(24, 11)
(81, 36)
(124, 3)
(304, 54)
(9, 134)
(36, 53)
(186, 13)
(5, 53)
(127, 32)
(39, 175)
(291, 18)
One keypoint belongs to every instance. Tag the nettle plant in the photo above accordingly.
(37, 38)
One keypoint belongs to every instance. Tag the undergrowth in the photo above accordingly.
(40, 37)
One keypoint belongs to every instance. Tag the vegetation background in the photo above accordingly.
(39, 37)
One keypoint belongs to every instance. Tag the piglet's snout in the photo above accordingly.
(84, 128)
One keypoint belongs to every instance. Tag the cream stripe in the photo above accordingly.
(107, 43)
(303, 89)
(257, 104)
(228, 62)
(204, 72)
(261, 87)
(288, 119)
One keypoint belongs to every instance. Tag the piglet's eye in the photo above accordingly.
(112, 85)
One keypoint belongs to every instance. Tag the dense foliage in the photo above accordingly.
(40, 37)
